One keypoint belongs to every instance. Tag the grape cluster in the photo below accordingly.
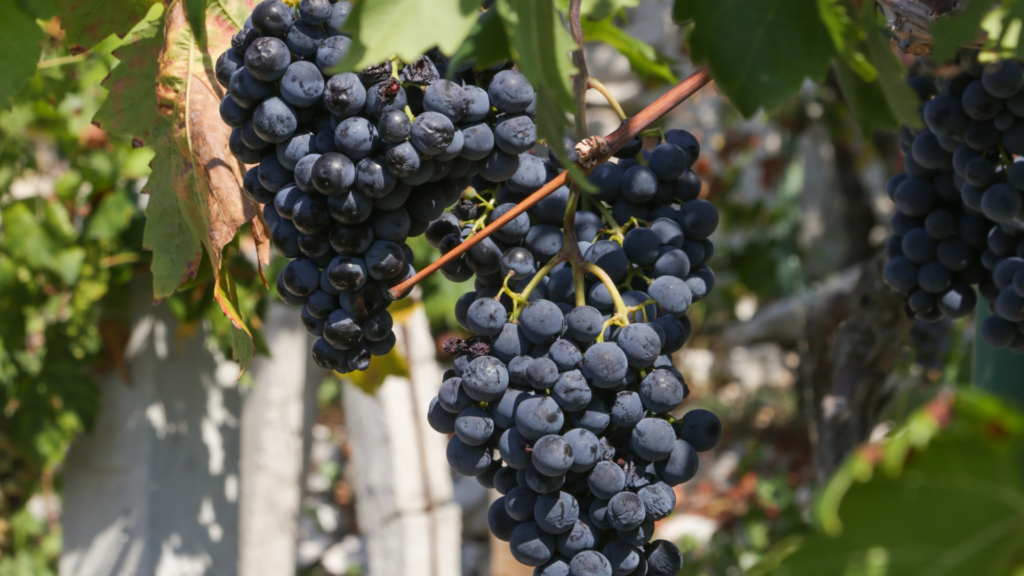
(562, 401)
(959, 200)
(348, 166)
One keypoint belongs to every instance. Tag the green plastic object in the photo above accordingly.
(998, 371)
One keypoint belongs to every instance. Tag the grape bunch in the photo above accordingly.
(348, 166)
(561, 400)
(959, 200)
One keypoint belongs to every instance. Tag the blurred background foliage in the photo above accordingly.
(71, 219)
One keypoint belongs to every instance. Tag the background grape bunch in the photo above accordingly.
(959, 200)
(348, 166)
(573, 391)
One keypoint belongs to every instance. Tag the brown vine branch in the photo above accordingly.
(626, 132)
(910, 20)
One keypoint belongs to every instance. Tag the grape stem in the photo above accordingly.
(524, 296)
(600, 87)
(613, 142)
(579, 86)
(622, 311)
(609, 220)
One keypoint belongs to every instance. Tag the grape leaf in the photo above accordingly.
(406, 28)
(847, 38)
(192, 165)
(601, 9)
(943, 496)
(951, 33)
(86, 22)
(900, 97)
(196, 200)
(759, 51)
(865, 101)
(540, 45)
(643, 58)
(485, 45)
(20, 39)
(242, 345)
(130, 106)
(38, 9)
(196, 12)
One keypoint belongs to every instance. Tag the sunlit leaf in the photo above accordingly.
(643, 58)
(406, 29)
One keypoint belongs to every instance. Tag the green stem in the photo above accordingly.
(524, 296)
(52, 62)
(572, 244)
(597, 85)
(609, 220)
(620, 307)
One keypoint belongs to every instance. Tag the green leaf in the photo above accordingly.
(130, 107)
(847, 37)
(541, 45)
(945, 495)
(195, 10)
(900, 97)
(34, 246)
(643, 58)
(759, 51)
(112, 217)
(86, 22)
(20, 39)
(177, 251)
(242, 345)
(195, 186)
(865, 101)
(67, 264)
(38, 9)
(44, 240)
(601, 9)
(485, 46)
(406, 29)
(951, 33)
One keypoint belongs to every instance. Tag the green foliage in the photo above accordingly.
(485, 45)
(962, 28)
(66, 249)
(847, 37)
(600, 9)
(406, 29)
(20, 38)
(943, 495)
(886, 102)
(761, 51)
(643, 58)
(540, 45)
(87, 22)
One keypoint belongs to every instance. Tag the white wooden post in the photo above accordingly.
(154, 488)
(277, 417)
(403, 483)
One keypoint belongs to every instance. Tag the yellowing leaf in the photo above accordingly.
(242, 344)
